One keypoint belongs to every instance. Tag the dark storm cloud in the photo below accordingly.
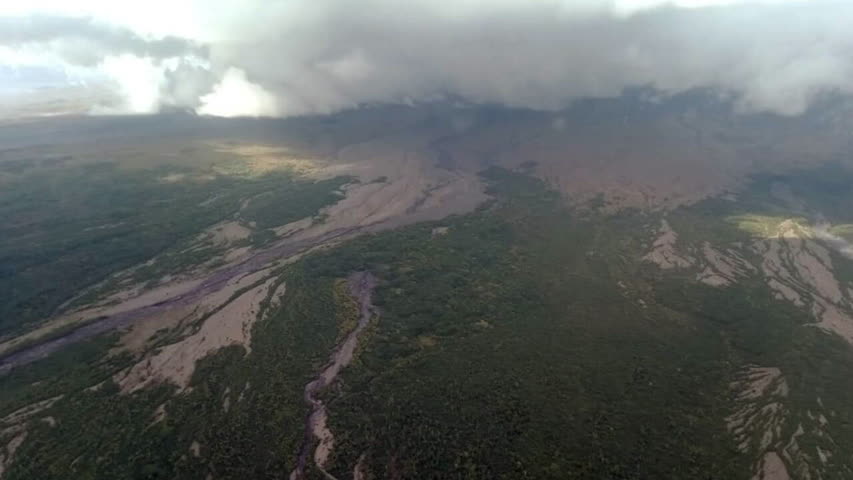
(325, 55)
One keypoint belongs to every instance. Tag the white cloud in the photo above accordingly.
(313, 56)
(634, 6)
(236, 96)
(139, 82)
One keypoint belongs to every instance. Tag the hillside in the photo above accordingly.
(432, 292)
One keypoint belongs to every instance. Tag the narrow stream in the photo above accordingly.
(361, 285)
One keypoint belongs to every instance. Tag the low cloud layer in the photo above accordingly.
(315, 56)
(85, 42)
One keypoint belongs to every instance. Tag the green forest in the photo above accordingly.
(528, 341)
(69, 228)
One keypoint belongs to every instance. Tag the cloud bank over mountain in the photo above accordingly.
(281, 58)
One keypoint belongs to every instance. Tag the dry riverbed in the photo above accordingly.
(317, 433)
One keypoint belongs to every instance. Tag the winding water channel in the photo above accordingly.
(361, 285)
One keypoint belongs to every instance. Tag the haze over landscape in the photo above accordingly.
(474, 239)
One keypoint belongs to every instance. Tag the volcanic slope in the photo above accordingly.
(530, 322)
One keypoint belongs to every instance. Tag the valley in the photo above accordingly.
(202, 309)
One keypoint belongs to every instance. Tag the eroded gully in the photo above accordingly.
(361, 285)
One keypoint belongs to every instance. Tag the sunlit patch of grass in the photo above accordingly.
(762, 225)
(257, 160)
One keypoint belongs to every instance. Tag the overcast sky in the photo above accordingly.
(291, 57)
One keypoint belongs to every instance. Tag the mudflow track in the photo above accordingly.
(213, 283)
(361, 286)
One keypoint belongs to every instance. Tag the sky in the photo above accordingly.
(296, 57)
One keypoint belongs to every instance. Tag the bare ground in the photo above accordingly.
(664, 252)
(800, 270)
(226, 233)
(8, 455)
(415, 189)
(772, 468)
(795, 266)
(175, 363)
